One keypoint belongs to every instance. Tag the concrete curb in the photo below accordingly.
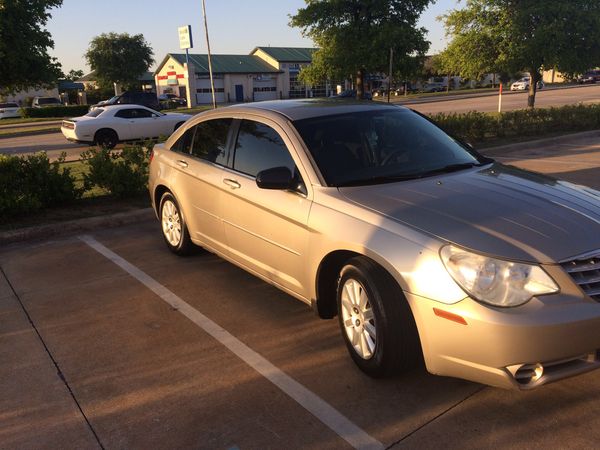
(539, 143)
(76, 226)
(28, 133)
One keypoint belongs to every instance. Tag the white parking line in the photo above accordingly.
(322, 410)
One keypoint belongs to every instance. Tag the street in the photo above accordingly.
(55, 143)
(110, 341)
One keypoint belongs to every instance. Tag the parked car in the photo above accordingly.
(9, 109)
(434, 87)
(45, 102)
(421, 246)
(523, 84)
(172, 98)
(108, 125)
(593, 76)
(147, 99)
(351, 94)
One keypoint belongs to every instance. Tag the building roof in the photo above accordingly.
(224, 63)
(288, 54)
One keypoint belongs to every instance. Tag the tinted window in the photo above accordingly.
(211, 139)
(183, 144)
(141, 113)
(8, 105)
(125, 114)
(259, 147)
(378, 146)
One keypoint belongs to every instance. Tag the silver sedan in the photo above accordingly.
(424, 249)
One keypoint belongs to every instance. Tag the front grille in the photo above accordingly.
(585, 271)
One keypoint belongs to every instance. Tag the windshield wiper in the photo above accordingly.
(454, 168)
(379, 180)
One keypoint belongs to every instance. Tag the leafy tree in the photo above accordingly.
(73, 75)
(355, 36)
(119, 58)
(24, 44)
(524, 35)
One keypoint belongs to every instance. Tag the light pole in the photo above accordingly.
(212, 82)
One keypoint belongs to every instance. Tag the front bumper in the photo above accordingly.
(517, 348)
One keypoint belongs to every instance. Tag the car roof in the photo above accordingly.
(308, 108)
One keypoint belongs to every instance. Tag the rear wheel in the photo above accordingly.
(106, 138)
(173, 225)
(375, 319)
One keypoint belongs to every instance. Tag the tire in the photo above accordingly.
(174, 228)
(367, 294)
(106, 138)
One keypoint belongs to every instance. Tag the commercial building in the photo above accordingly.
(267, 73)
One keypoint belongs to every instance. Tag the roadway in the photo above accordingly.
(55, 143)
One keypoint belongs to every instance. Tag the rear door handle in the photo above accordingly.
(232, 183)
(182, 163)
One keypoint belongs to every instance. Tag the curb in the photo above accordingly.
(28, 133)
(76, 226)
(530, 145)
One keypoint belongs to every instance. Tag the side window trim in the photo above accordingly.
(233, 137)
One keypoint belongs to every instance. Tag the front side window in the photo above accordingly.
(125, 114)
(210, 140)
(259, 147)
(142, 113)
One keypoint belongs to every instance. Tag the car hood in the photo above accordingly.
(498, 210)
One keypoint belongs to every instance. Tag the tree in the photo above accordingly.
(524, 35)
(73, 75)
(355, 36)
(119, 58)
(24, 44)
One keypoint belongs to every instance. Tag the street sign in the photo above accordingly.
(185, 37)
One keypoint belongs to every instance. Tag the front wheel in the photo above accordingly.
(375, 319)
(173, 225)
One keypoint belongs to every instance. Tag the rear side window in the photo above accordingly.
(184, 143)
(210, 140)
(259, 147)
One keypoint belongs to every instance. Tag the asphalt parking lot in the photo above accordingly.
(110, 341)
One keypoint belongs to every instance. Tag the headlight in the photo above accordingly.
(493, 281)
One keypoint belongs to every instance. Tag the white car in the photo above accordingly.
(523, 84)
(9, 109)
(108, 125)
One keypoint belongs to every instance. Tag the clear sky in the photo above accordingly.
(235, 26)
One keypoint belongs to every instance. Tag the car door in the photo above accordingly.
(266, 230)
(144, 124)
(199, 159)
(121, 123)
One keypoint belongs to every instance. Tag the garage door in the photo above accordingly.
(204, 94)
(265, 90)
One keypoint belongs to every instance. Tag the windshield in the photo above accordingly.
(382, 146)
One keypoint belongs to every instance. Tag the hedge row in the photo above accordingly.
(477, 127)
(31, 183)
(55, 111)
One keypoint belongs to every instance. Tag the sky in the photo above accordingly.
(235, 26)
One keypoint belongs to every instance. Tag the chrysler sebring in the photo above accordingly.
(423, 248)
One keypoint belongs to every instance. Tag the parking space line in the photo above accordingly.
(336, 421)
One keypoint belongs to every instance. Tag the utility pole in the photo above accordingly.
(212, 82)
(390, 74)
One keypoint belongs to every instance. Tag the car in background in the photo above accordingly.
(523, 84)
(172, 98)
(147, 99)
(108, 125)
(590, 77)
(45, 102)
(422, 247)
(434, 86)
(9, 109)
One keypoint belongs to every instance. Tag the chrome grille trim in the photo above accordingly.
(585, 272)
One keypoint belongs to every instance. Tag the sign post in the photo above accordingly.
(500, 99)
(185, 40)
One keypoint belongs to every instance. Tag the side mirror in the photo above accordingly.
(276, 178)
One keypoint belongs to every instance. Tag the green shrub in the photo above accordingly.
(123, 174)
(479, 127)
(32, 182)
(55, 111)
